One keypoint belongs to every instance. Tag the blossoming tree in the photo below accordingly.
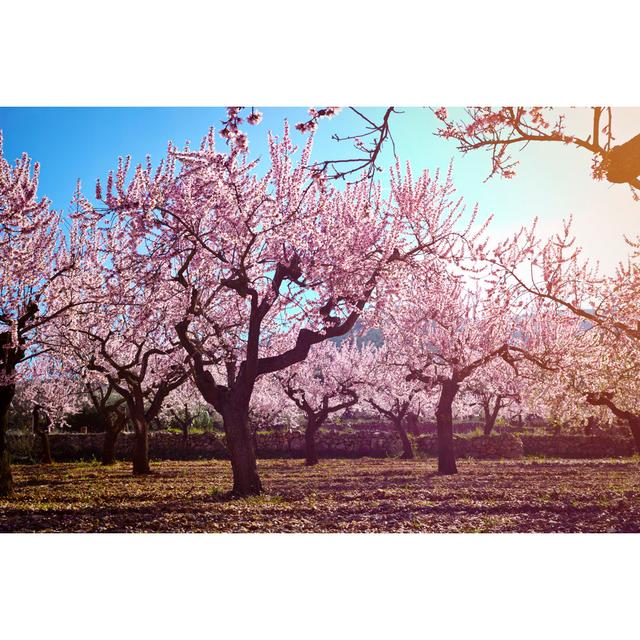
(326, 382)
(39, 270)
(494, 388)
(112, 410)
(390, 394)
(123, 330)
(553, 272)
(450, 329)
(601, 377)
(254, 254)
(53, 391)
(269, 404)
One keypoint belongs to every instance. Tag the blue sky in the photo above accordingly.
(553, 181)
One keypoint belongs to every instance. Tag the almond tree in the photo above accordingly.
(53, 392)
(270, 404)
(123, 332)
(141, 363)
(494, 388)
(449, 331)
(453, 332)
(327, 382)
(390, 394)
(602, 375)
(75, 353)
(38, 279)
(553, 273)
(181, 407)
(254, 254)
(112, 409)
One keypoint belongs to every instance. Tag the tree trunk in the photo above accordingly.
(246, 481)
(42, 430)
(491, 414)
(46, 447)
(141, 448)
(444, 425)
(412, 423)
(311, 455)
(109, 445)
(634, 425)
(407, 450)
(606, 400)
(488, 424)
(6, 478)
(185, 431)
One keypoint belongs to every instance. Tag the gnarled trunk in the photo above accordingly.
(109, 447)
(634, 425)
(412, 423)
(488, 423)
(6, 478)
(606, 399)
(491, 414)
(114, 427)
(246, 481)
(141, 447)
(46, 457)
(42, 430)
(114, 420)
(407, 450)
(311, 455)
(233, 406)
(444, 425)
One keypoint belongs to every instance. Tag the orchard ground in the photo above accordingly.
(365, 495)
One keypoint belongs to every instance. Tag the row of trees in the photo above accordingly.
(208, 270)
(371, 379)
(335, 380)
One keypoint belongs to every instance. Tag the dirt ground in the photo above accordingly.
(363, 495)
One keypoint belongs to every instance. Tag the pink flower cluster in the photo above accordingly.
(309, 126)
(231, 127)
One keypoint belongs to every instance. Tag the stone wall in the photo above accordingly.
(492, 447)
(330, 443)
(167, 445)
(549, 446)
(577, 446)
(163, 445)
(423, 427)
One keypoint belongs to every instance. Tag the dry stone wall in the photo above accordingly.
(329, 443)
(577, 446)
(482, 447)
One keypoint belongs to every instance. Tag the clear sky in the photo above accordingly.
(553, 180)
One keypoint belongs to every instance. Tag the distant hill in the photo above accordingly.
(372, 336)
